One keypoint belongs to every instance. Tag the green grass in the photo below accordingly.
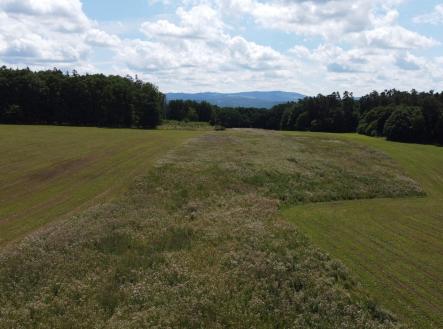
(394, 246)
(199, 243)
(49, 172)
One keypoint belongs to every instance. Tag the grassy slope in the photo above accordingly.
(395, 246)
(199, 243)
(47, 172)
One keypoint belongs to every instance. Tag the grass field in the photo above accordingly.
(394, 246)
(199, 243)
(49, 172)
(198, 239)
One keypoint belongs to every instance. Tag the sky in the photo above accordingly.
(302, 46)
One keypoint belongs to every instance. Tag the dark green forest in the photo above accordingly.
(54, 97)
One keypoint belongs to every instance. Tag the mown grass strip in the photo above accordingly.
(48, 172)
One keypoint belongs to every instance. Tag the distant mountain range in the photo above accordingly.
(259, 99)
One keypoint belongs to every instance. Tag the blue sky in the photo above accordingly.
(233, 45)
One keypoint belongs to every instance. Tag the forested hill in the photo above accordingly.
(257, 99)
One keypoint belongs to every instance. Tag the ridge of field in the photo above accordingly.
(185, 125)
(47, 172)
(199, 243)
(394, 246)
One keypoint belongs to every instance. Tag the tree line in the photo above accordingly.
(398, 116)
(403, 116)
(54, 97)
(321, 113)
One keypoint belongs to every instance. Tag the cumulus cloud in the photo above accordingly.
(63, 15)
(340, 68)
(200, 22)
(408, 62)
(202, 45)
(199, 45)
(330, 19)
(394, 37)
(370, 21)
(363, 69)
(101, 38)
(435, 17)
(48, 33)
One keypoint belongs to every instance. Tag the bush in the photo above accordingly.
(406, 124)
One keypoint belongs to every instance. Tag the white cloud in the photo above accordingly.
(198, 46)
(394, 37)
(357, 45)
(40, 33)
(366, 68)
(61, 16)
(329, 19)
(100, 38)
(373, 22)
(200, 22)
(164, 2)
(435, 17)
(409, 62)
